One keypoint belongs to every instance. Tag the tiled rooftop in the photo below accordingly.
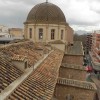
(72, 66)
(76, 49)
(8, 72)
(42, 46)
(18, 57)
(41, 83)
(26, 48)
(76, 83)
(57, 42)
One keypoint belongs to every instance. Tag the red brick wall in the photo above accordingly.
(61, 91)
(72, 74)
(71, 59)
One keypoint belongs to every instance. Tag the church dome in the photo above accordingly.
(46, 13)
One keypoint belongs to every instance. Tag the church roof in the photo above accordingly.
(57, 42)
(8, 72)
(26, 48)
(46, 13)
(18, 58)
(41, 83)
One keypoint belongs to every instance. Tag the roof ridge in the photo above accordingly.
(43, 80)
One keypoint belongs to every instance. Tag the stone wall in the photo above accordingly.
(70, 34)
(63, 91)
(73, 59)
(72, 73)
(59, 46)
(16, 32)
(46, 32)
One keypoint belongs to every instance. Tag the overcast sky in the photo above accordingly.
(80, 14)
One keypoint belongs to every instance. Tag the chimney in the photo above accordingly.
(20, 62)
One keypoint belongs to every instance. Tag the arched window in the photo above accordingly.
(62, 34)
(40, 33)
(30, 32)
(52, 34)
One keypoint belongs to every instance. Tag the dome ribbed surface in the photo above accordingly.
(46, 13)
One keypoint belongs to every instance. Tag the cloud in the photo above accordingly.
(80, 13)
(95, 6)
(83, 13)
(13, 14)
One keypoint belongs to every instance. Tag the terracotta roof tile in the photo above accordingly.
(57, 42)
(26, 48)
(18, 57)
(8, 72)
(41, 83)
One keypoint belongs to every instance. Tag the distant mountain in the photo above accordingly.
(80, 32)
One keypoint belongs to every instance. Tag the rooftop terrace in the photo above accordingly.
(75, 49)
(73, 66)
(76, 83)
